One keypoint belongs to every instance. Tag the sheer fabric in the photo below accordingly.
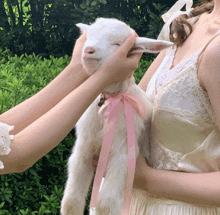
(5, 140)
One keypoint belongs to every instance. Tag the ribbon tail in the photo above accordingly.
(104, 154)
(137, 104)
(129, 114)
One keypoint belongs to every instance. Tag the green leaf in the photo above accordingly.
(103, 1)
(94, 3)
(32, 171)
(2, 204)
(88, 2)
(83, 5)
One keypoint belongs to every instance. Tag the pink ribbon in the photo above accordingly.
(113, 104)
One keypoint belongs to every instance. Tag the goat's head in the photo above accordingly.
(106, 35)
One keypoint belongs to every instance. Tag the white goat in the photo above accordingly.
(103, 37)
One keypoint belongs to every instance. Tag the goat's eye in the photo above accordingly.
(116, 44)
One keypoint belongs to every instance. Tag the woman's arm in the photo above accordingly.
(194, 188)
(209, 74)
(31, 109)
(198, 188)
(42, 135)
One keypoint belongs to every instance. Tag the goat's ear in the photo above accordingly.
(147, 45)
(82, 27)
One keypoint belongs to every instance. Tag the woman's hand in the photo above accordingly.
(76, 62)
(120, 65)
(142, 173)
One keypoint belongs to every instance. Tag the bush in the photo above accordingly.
(39, 189)
(47, 27)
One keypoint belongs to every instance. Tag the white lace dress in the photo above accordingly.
(184, 134)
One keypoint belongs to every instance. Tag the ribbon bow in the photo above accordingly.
(113, 105)
(171, 14)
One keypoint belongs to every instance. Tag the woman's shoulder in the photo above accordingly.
(209, 64)
(213, 48)
(209, 73)
(210, 61)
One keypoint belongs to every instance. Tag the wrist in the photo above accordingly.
(105, 77)
(151, 179)
(99, 79)
(77, 69)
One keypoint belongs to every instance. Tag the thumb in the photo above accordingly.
(127, 45)
(82, 37)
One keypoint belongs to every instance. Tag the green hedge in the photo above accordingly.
(38, 190)
(48, 27)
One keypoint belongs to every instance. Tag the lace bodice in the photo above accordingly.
(184, 131)
(168, 73)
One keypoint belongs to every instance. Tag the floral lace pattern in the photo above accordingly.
(205, 98)
(5, 140)
(182, 96)
(163, 158)
(178, 91)
(168, 73)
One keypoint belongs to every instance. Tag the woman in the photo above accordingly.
(183, 84)
(41, 122)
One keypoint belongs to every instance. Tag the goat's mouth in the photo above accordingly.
(90, 58)
(91, 64)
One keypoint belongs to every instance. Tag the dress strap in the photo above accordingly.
(204, 47)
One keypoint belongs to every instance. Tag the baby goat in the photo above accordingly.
(103, 37)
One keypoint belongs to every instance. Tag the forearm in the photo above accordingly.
(197, 188)
(31, 109)
(49, 130)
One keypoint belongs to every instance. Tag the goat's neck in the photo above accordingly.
(119, 87)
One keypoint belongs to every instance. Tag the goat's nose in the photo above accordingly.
(89, 50)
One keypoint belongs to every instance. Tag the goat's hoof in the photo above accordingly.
(109, 206)
(70, 208)
(92, 211)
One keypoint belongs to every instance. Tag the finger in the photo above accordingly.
(134, 60)
(135, 55)
(81, 40)
(82, 37)
(80, 43)
(135, 34)
(127, 45)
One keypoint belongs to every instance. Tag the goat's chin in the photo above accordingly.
(91, 66)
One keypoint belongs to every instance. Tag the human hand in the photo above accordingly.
(142, 171)
(76, 62)
(120, 65)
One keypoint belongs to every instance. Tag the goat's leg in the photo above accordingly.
(80, 174)
(111, 195)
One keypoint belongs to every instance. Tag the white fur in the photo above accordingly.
(103, 37)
